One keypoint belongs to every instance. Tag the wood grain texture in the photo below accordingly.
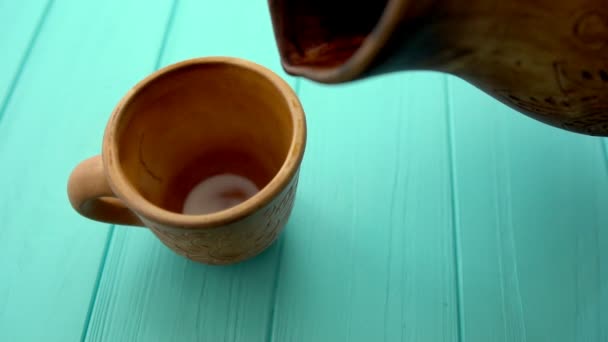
(531, 213)
(21, 23)
(147, 293)
(85, 57)
(379, 247)
(369, 255)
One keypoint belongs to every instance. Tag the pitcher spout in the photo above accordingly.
(546, 59)
(336, 41)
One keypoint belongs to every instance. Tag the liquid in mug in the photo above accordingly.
(218, 193)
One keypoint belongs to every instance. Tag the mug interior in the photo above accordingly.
(201, 120)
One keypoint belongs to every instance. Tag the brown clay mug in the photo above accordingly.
(182, 126)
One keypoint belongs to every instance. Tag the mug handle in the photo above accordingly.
(91, 196)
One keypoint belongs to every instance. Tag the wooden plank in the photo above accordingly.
(20, 23)
(369, 255)
(147, 293)
(86, 56)
(532, 218)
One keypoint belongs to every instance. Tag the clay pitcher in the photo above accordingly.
(545, 58)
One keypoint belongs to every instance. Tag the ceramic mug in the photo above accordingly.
(187, 124)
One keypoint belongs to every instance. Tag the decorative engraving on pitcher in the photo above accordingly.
(574, 77)
(230, 245)
(591, 29)
(593, 123)
(588, 113)
(545, 107)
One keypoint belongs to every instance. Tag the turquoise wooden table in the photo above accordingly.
(427, 211)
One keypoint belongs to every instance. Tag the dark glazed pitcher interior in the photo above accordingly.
(332, 41)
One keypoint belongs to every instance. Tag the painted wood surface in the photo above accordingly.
(80, 64)
(426, 210)
(21, 25)
(369, 255)
(532, 218)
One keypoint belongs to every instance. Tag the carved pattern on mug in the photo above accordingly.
(587, 113)
(276, 215)
(225, 246)
(171, 240)
(257, 239)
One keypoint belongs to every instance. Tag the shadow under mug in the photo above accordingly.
(181, 125)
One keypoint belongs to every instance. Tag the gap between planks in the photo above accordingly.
(455, 212)
(26, 57)
(102, 264)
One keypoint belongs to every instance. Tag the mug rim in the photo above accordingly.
(124, 190)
